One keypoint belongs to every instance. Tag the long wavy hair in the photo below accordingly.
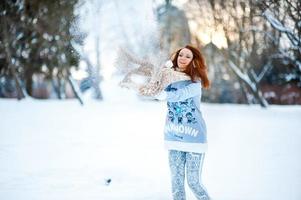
(197, 68)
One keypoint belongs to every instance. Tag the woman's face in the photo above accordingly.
(184, 58)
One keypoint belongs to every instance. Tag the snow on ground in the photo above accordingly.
(59, 150)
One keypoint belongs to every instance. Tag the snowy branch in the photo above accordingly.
(295, 39)
(265, 69)
(256, 29)
(242, 75)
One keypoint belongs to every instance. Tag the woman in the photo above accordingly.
(185, 128)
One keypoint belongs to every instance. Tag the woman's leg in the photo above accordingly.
(194, 164)
(177, 169)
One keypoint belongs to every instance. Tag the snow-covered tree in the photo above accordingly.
(37, 37)
(173, 27)
(285, 18)
(93, 14)
(242, 28)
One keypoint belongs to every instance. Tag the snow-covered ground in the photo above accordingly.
(59, 150)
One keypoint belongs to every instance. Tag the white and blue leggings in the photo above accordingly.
(193, 162)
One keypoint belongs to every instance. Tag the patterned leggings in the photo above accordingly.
(194, 163)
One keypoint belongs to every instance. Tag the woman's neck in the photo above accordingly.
(179, 70)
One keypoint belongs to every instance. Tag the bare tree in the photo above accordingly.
(285, 18)
(238, 20)
(94, 15)
(173, 27)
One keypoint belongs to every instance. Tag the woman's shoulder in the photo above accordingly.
(186, 82)
(197, 82)
(176, 85)
(182, 83)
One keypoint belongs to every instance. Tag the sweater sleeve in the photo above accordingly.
(191, 90)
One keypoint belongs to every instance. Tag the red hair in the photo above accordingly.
(197, 68)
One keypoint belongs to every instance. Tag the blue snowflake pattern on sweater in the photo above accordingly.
(182, 112)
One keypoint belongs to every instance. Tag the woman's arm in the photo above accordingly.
(191, 90)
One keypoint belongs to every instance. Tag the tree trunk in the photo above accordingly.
(59, 86)
(251, 85)
(20, 92)
(28, 81)
(75, 89)
(98, 94)
(18, 85)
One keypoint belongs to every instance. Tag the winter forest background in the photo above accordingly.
(69, 131)
(52, 49)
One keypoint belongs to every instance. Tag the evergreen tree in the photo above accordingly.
(38, 37)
